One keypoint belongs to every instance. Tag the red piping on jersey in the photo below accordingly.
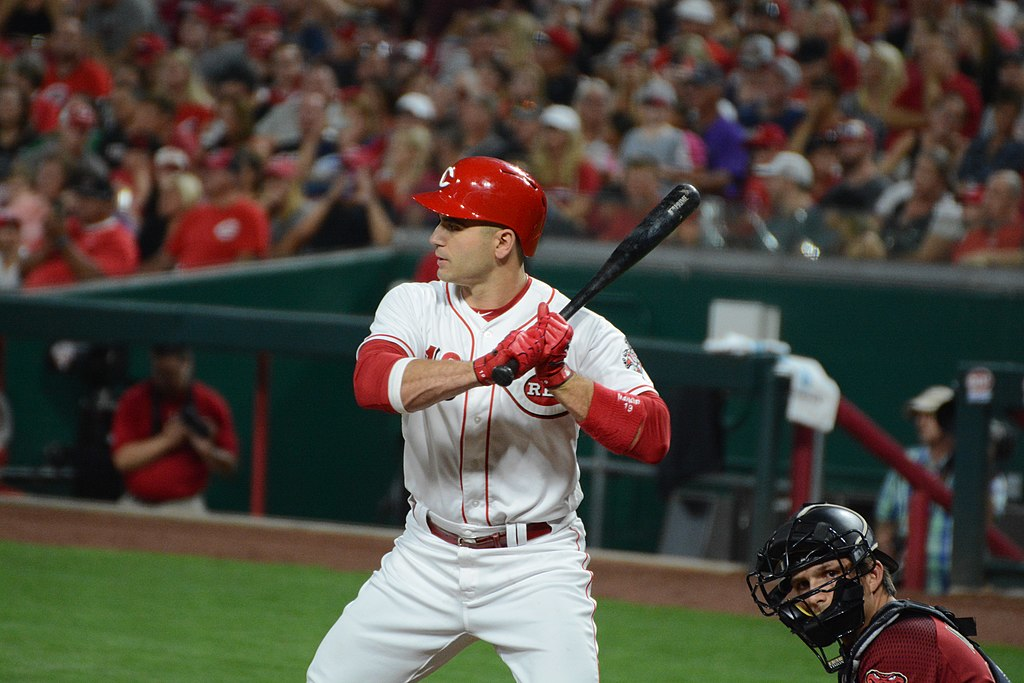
(465, 401)
(487, 461)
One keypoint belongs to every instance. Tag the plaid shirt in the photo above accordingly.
(893, 505)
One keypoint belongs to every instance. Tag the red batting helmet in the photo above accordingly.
(493, 191)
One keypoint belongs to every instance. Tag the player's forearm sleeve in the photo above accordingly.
(615, 418)
(377, 378)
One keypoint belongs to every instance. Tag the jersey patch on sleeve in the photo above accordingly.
(876, 676)
(631, 360)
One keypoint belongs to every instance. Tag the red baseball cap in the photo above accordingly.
(768, 136)
(560, 37)
(9, 220)
(262, 15)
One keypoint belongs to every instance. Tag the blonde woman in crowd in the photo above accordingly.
(405, 170)
(883, 75)
(558, 161)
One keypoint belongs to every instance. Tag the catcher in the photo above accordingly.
(822, 574)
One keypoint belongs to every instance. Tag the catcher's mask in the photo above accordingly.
(817, 534)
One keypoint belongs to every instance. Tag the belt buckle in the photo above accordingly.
(479, 540)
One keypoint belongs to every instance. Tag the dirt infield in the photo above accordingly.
(634, 577)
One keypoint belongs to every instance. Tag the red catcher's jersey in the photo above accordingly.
(922, 649)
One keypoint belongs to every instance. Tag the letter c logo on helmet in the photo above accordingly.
(491, 191)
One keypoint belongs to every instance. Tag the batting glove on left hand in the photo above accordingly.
(523, 346)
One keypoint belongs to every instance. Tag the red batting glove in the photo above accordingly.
(552, 372)
(524, 346)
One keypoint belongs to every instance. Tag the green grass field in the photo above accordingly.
(103, 616)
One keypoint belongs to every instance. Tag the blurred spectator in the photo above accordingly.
(822, 152)
(478, 127)
(247, 58)
(812, 54)
(406, 170)
(281, 196)
(931, 72)
(999, 148)
(829, 21)
(620, 206)
(1011, 78)
(10, 251)
(677, 152)
(920, 218)
(555, 53)
(766, 140)
(90, 243)
(345, 210)
(883, 76)
(228, 226)
(594, 105)
(114, 24)
(849, 204)
(979, 50)
(933, 413)
(31, 197)
(178, 81)
(316, 104)
(823, 113)
(169, 433)
(26, 72)
(697, 18)
(286, 73)
(16, 130)
(168, 162)
(727, 158)
(73, 143)
(997, 239)
(22, 21)
(176, 194)
(861, 183)
(557, 160)
(755, 52)
(944, 123)
(70, 70)
(233, 124)
(773, 100)
(796, 225)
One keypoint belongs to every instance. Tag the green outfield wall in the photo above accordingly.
(882, 331)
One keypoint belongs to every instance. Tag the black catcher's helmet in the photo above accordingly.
(818, 533)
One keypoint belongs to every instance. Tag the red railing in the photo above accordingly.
(926, 486)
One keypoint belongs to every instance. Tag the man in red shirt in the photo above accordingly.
(822, 574)
(229, 226)
(169, 433)
(998, 237)
(69, 68)
(91, 243)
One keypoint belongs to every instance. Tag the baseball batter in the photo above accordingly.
(493, 549)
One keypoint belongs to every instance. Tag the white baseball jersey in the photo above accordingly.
(495, 455)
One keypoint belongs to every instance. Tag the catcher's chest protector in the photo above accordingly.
(898, 609)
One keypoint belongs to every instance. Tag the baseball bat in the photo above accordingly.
(660, 221)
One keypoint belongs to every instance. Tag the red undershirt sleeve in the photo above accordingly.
(615, 418)
(373, 370)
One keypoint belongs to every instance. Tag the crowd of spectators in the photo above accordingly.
(148, 135)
